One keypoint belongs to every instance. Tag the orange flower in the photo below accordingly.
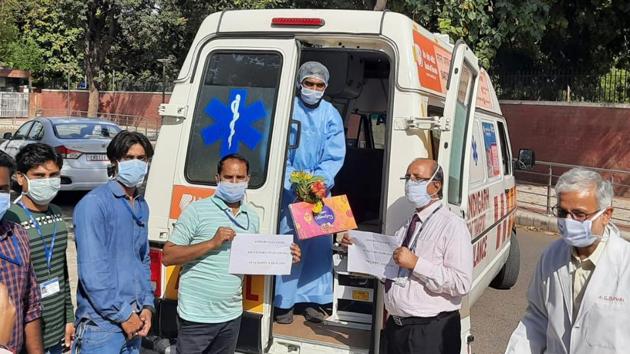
(318, 188)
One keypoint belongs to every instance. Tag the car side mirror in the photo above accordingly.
(526, 159)
(7, 136)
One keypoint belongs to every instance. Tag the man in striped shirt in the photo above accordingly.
(16, 272)
(38, 171)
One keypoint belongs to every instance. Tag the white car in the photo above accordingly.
(82, 142)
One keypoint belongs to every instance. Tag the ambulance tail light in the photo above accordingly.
(297, 21)
(156, 271)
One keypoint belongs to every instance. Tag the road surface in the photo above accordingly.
(497, 312)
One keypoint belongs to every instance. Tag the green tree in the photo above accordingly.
(49, 24)
(8, 29)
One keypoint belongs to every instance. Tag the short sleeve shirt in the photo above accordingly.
(208, 293)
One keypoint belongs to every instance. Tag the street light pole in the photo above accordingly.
(164, 61)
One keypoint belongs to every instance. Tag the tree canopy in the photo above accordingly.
(118, 42)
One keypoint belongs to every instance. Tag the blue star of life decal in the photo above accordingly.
(474, 151)
(233, 122)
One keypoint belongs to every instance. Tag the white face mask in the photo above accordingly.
(416, 192)
(578, 233)
(311, 97)
(42, 191)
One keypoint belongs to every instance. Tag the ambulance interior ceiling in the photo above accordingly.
(359, 89)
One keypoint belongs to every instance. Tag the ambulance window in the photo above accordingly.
(491, 149)
(460, 125)
(477, 160)
(505, 151)
(234, 114)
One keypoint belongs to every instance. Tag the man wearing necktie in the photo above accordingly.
(435, 260)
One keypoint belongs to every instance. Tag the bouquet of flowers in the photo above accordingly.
(310, 189)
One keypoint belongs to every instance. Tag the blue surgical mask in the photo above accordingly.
(231, 192)
(416, 192)
(5, 203)
(131, 173)
(43, 191)
(311, 97)
(578, 233)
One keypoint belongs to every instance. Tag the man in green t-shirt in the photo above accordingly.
(38, 174)
(210, 301)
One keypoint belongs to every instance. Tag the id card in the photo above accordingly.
(49, 287)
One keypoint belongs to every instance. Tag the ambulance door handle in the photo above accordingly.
(298, 133)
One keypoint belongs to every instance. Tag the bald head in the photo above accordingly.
(425, 169)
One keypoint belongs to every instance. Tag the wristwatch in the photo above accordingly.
(150, 308)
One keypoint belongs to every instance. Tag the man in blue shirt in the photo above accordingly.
(114, 296)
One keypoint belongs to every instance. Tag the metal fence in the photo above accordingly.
(150, 128)
(13, 104)
(541, 195)
(613, 87)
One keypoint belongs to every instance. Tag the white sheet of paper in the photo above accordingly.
(372, 254)
(261, 254)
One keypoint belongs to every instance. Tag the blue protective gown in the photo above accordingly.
(321, 152)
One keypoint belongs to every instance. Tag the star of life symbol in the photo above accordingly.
(474, 151)
(233, 122)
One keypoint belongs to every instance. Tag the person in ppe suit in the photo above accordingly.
(321, 152)
(579, 296)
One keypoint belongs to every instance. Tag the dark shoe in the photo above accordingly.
(284, 316)
(315, 315)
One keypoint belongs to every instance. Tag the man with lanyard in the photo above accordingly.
(16, 272)
(38, 171)
(436, 264)
(210, 302)
(114, 297)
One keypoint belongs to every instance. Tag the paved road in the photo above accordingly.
(497, 312)
(494, 316)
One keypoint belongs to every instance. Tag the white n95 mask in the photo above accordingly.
(578, 233)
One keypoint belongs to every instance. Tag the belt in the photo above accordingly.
(405, 321)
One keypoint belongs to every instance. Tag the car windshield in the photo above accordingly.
(85, 130)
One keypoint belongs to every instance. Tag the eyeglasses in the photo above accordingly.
(314, 85)
(559, 212)
(414, 179)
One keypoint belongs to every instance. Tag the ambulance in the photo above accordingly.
(403, 93)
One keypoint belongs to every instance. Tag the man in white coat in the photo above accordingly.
(579, 297)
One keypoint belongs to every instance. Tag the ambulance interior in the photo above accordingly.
(359, 88)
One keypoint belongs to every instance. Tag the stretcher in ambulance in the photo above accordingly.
(402, 92)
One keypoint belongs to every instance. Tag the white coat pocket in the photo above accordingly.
(606, 327)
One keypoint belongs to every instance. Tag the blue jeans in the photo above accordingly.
(91, 339)
(55, 349)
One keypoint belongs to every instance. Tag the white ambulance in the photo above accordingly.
(403, 93)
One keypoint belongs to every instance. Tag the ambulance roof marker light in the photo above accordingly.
(295, 21)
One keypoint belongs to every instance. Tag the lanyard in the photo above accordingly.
(48, 251)
(412, 245)
(138, 219)
(16, 246)
(235, 222)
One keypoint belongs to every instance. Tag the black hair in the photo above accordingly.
(8, 162)
(123, 141)
(438, 176)
(36, 154)
(238, 157)
(438, 173)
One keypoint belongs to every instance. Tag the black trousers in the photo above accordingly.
(207, 338)
(425, 335)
